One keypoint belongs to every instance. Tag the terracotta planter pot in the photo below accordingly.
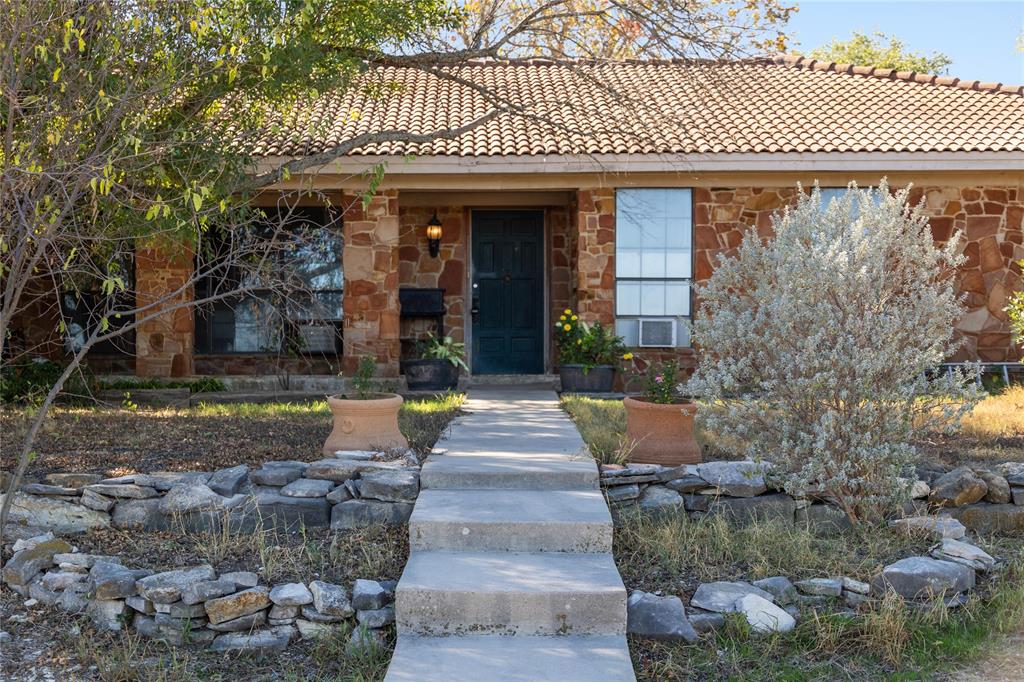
(661, 434)
(365, 424)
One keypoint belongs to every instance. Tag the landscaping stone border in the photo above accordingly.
(351, 489)
(982, 500)
(194, 605)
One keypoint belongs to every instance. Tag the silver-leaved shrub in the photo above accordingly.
(817, 347)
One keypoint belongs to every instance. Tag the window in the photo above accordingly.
(653, 262)
(84, 311)
(258, 323)
(829, 194)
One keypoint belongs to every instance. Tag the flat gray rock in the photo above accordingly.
(920, 576)
(341, 470)
(190, 497)
(963, 553)
(241, 624)
(623, 493)
(288, 513)
(654, 617)
(291, 594)
(1013, 472)
(140, 515)
(735, 479)
(361, 513)
(780, 587)
(657, 501)
(50, 513)
(390, 486)
(821, 587)
(311, 629)
(278, 473)
(204, 590)
(368, 594)
(763, 615)
(126, 490)
(106, 614)
(228, 482)
(747, 510)
(24, 565)
(310, 613)
(376, 618)
(43, 489)
(330, 600)
(938, 526)
(307, 487)
(271, 641)
(72, 479)
(283, 612)
(721, 597)
(690, 483)
(114, 581)
(165, 480)
(166, 587)
(242, 579)
(340, 494)
(705, 621)
(94, 500)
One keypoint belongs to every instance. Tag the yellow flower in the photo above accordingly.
(568, 311)
(562, 318)
(579, 342)
(627, 356)
(567, 327)
(574, 318)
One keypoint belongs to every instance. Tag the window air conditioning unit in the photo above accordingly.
(659, 333)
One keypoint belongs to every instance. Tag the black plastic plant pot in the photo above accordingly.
(577, 379)
(431, 375)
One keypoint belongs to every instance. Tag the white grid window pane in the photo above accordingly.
(652, 298)
(627, 298)
(678, 263)
(652, 263)
(677, 298)
(627, 263)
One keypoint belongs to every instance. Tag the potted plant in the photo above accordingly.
(659, 422)
(587, 354)
(438, 366)
(364, 419)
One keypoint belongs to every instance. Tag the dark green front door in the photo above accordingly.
(508, 292)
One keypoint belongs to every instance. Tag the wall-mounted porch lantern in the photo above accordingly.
(434, 233)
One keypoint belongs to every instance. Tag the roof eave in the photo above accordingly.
(662, 163)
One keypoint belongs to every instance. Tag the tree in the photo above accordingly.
(618, 29)
(818, 347)
(126, 125)
(872, 50)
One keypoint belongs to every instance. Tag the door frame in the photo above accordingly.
(467, 317)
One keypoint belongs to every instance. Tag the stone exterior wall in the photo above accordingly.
(164, 344)
(417, 268)
(595, 255)
(370, 260)
(990, 217)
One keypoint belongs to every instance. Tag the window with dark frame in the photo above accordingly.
(84, 311)
(258, 322)
(653, 261)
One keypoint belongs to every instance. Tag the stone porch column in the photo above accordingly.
(370, 261)
(164, 344)
(595, 255)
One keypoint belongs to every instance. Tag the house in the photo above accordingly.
(609, 190)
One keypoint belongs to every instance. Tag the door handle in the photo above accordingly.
(475, 309)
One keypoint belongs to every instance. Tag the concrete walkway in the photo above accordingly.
(511, 575)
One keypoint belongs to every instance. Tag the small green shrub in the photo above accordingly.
(28, 381)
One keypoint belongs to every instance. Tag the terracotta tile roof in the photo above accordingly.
(784, 104)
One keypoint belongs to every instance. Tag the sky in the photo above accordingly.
(980, 37)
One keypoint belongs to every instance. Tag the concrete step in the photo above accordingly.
(519, 472)
(511, 659)
(510, 593)
(511, 520)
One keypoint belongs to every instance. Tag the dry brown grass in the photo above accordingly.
(992, 433)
